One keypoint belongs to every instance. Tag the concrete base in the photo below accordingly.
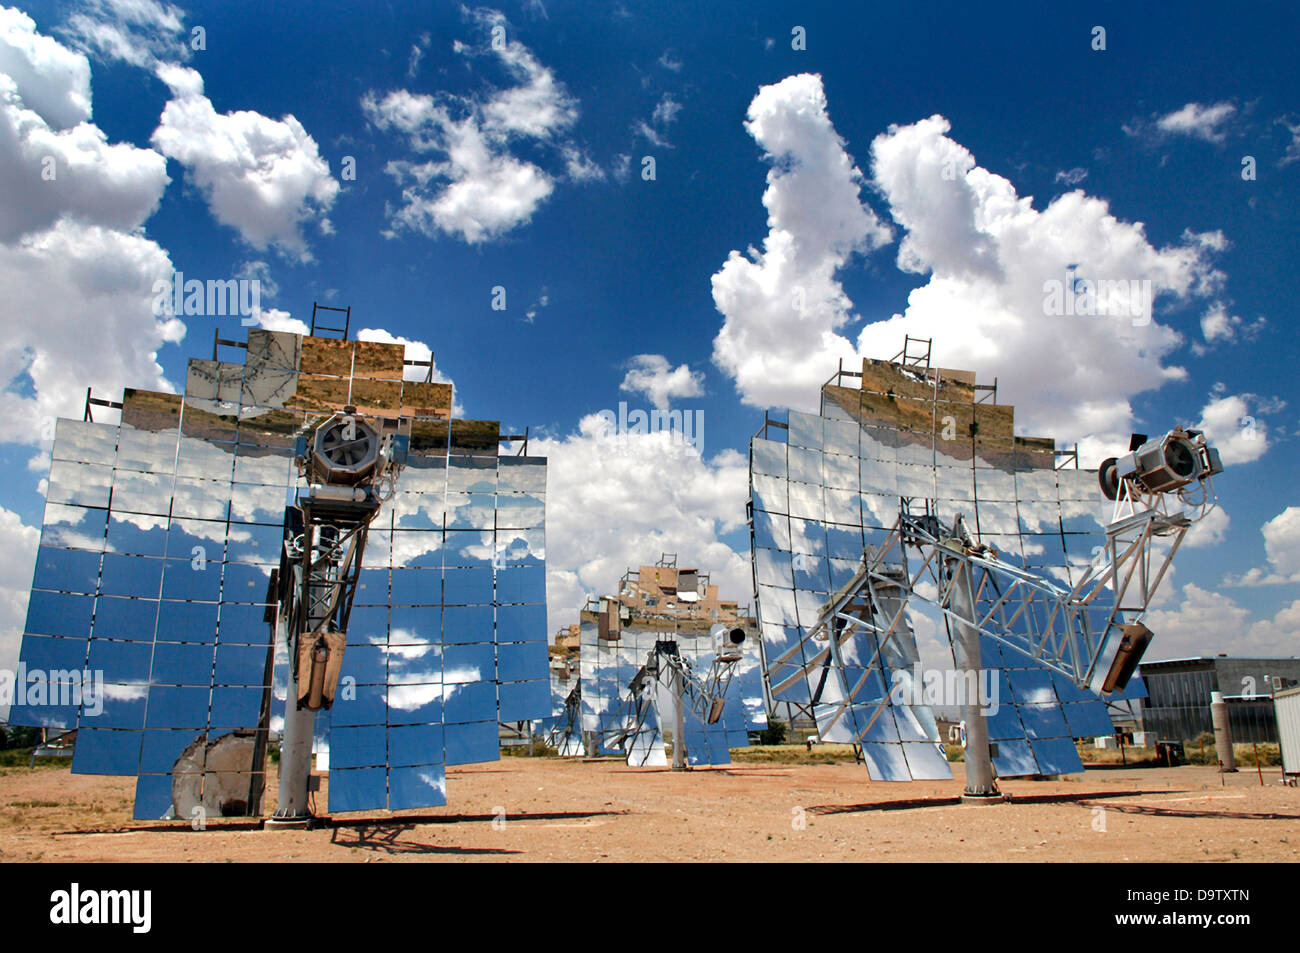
(291, 823)
(995, 798)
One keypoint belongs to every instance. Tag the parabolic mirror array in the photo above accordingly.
(908, 435)
(157, 549)
(614, 637)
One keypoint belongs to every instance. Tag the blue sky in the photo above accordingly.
(519, 166)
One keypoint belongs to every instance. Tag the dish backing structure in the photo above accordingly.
(614, 682)
(909, 489)
(307, 538)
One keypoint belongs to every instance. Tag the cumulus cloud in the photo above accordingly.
(616, 501)
(1217, 324)
(51, 173)
(781, 306)
(1282, 542)
(1282, 547)
(654, 376)
(999, 271)
(55, 80)
(1198, 121)
(1201, 622)
(263, 177)
(1210, 530)
(273, 319)
(92, 288)
(144, 33)
(56, 162)
(1230, 427)
(475, 188)
(71, 248)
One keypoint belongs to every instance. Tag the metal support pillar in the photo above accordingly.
(980, 785)
(295, 763)
(1222, 731)
(679, 722)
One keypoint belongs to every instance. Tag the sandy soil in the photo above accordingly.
(572, 810)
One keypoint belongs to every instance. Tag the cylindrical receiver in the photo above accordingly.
(1222, 731)
(316, 685)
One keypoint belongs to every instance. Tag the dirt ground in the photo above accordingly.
(548, 809)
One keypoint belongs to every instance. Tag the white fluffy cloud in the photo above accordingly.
(997, 269)
(1280, 635)
(473, 187)
(273, 319)
(16, 560)
(263, 177)
(617, 501)
(91, 288)
(1282, 542)
(782, 305)
(1210, 530)
(1218, 325)
(50, 173)
(71, 250)
(55, 80)
(1200, 622)
(1200, 122)
(1229, 426)
(53, 161)
(654, 376)
(1282, 546)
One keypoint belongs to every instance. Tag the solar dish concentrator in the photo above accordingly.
(161, 541)
(828, 488)
(623, 708)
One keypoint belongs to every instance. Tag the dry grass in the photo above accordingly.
(794, 754)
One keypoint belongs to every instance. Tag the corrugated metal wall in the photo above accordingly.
(1287, 706)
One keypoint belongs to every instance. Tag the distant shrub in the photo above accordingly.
(773, 734)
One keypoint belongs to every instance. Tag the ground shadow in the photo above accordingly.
(1153, 811)
(909, 804)
(458, 818)
(386, 838)
(257, 824)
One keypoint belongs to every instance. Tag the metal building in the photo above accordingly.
(1177, 707)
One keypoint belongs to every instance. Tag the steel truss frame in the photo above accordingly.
(1058, 629)
(706, 696)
